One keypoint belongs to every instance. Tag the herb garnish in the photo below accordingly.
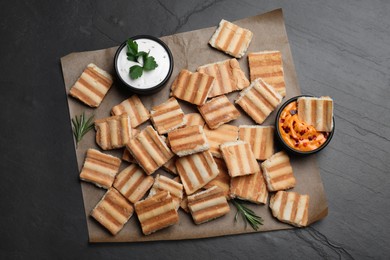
(148, 62)
(81, 126)
(247, 215)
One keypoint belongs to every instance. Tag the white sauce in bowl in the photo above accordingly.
(148, 79)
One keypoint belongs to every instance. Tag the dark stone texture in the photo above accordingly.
(340, 48)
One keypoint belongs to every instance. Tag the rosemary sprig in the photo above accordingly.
(81, 126)
(247, 215)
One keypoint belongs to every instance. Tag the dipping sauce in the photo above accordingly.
(297, 134)
(149, 79)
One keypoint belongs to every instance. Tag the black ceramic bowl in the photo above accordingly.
(151, 81)
(289, 148)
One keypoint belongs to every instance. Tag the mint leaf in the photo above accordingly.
(149, 63)
(135, 71)
(132, 48)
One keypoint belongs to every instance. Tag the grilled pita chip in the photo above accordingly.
(260, 138)
(167, 116)
(222, 180)
(149, 150)
(231, 39)
(92, 86)
(113, 132)
(133, 183)
(193, 119)
(317, 112)
(188, 140)
(113, 211)
(239, 158)
(259, 100)
(268, 66)
(134, 108)
(250, 187)
(196, 170)
(290, 207)
(156, 212)
(278, 173)
(208, 205)
(216, 137)
(192, 87)
(174, 188)
(218, 111)
(100, 168)
(228, 77)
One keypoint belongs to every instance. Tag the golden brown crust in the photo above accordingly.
(290, 207)
(167, 116)
(317, 112)
(133, 183)
(218, 111)
(149, 150)
(278, 173)
(268, 65)
(208, 205)
(196, 170)
(260, 138)
(192, 87)
(113, 211)
(259, 100)
(134, 108)
(156, 212)
(188, 140)
(239, 158)
(99, 168)
(228, 77)
(91, 87)
(113, 132)
(231, 39)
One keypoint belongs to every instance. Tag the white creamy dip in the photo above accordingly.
(148, 79)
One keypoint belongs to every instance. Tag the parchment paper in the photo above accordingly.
(190, 50)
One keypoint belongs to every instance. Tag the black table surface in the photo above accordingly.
(340, 49)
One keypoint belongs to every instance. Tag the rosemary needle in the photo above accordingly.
(248, 215)
(81, 126)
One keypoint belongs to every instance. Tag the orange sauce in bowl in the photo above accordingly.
(298, 134)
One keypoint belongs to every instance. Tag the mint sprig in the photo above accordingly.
(149, 63)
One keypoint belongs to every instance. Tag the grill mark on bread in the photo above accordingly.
(193, 119)
(290, 207)
(207, 205)
(134, 108)
(268, 65)
(133, 183)
(250, 187)
(92, 85)
(196, 170)
(86, 85)
(239, 158)
(167, 116)
(113, 132)
(112, 211)
(231, 39)
(259, 98)
(149, 150)
(156, 212)
(218, 111)
(98, 77)
(192, 87)
(99, 168)
(278, 172)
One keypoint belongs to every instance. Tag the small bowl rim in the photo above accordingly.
(285, 145)
(151, 89)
